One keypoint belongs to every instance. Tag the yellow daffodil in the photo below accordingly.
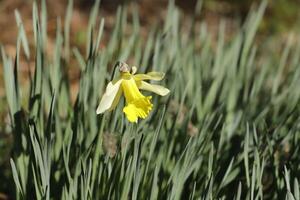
(129, 84)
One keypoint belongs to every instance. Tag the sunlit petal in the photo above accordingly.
(158, 89)
(116, 100)
(156, 76)
(111, 96)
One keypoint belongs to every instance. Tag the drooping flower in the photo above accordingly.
(129, 84)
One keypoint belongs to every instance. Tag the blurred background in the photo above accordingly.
(281, 20)
(281, 17)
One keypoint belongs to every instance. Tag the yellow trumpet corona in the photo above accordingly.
(129, 84)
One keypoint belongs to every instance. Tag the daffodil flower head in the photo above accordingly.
(129, 84)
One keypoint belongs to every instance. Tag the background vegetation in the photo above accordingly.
(229, 129)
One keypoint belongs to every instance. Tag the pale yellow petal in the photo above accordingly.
(116, 100)
(111, 96)
(158, 89)
(156, 76)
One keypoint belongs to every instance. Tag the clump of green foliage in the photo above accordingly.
(228, 130)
